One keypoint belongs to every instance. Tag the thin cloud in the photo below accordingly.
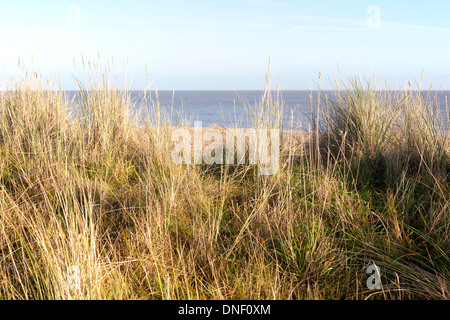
(268, 2)
(336, 24)
(410, 28)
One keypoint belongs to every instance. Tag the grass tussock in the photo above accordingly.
(87, 186)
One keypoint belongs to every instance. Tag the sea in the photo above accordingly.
(227, 108)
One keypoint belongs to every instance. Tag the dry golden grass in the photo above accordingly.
(96, 190)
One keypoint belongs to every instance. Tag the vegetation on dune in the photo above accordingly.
(88, 187)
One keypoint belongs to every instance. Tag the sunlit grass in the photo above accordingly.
(94, 186)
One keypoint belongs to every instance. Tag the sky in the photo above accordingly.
(226, 45)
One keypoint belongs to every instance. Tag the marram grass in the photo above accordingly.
(95, 187)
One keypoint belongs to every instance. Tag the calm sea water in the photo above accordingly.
(230, 108)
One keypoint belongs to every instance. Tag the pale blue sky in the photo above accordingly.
(227, 44)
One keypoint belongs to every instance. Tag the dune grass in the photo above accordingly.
(89, 187)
